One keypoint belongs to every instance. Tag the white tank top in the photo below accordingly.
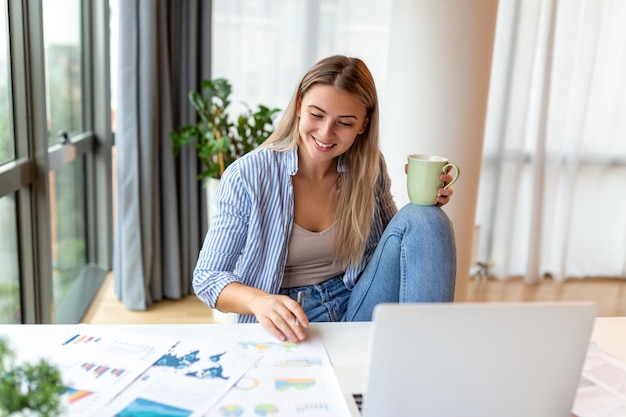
(310, 257)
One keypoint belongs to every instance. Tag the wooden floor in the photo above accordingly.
(107, 309)
(608, 294)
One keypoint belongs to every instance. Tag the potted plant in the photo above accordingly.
(28, 389)
(217, 139)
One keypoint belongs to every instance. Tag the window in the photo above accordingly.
(55, 158)
(10, 307)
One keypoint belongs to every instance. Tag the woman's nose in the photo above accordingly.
(326, 129)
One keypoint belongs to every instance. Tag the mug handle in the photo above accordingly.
(456, 175)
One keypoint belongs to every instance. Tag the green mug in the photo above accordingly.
(423, 181)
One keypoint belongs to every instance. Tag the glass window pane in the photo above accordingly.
(6, 141)
(113, 46)
(67, 211)
(10, 306)
(62, 40)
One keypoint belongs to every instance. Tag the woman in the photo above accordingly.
(310, 212)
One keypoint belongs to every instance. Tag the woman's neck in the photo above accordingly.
(316, 170)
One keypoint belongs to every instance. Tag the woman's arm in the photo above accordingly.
(231, 275)
(224, 242)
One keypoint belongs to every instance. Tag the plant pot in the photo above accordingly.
(210, 186)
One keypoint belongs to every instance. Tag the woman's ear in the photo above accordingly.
(298, 105)
(365, 122)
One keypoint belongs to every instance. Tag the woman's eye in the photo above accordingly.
(317, 116)
(345, 124)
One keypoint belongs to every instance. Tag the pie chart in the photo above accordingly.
(266, 410)
(230, 410)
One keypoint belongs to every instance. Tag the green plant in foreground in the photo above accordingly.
(218, 140)
(28, 389)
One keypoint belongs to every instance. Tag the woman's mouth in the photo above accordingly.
(322, 144)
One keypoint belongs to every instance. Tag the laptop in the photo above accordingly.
(477, 359)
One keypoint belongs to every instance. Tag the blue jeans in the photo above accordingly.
(415, 261)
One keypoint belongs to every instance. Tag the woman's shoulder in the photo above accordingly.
(263, 160)
(260, 153)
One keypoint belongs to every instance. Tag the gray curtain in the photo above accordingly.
(164, 51)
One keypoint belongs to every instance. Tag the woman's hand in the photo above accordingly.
(277, 313)
(445, 194)
(281, 316)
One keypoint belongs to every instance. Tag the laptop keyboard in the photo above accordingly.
(358, 400)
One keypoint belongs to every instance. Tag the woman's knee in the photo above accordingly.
(424, 219)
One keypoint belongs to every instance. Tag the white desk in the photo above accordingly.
(348, 344)
(610, 334)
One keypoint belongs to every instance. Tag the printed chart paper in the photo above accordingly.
(186, 381)
(108, 372)
(290, 379)
(96, 365)
(602, 387)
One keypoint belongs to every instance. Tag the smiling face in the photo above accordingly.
(329, 122)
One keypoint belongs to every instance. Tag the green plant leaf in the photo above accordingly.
(197, 101)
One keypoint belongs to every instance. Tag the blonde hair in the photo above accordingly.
(357, 184)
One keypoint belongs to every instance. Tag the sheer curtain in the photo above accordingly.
(552, 194)
(264, 47)
(164, 51)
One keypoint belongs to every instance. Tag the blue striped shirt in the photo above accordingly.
(249, 233)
